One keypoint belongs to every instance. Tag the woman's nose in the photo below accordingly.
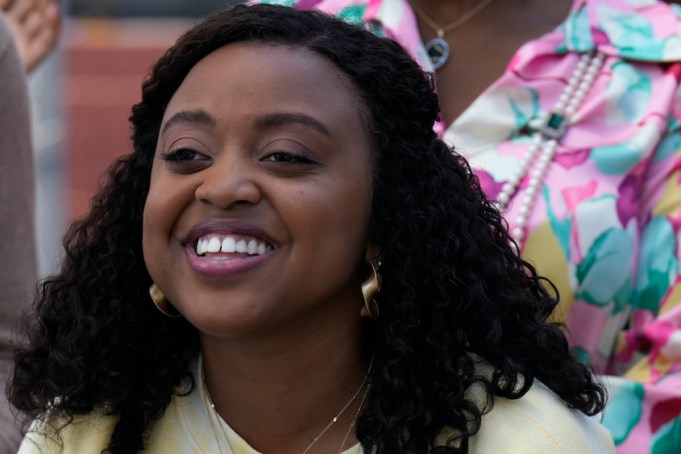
(229, 181)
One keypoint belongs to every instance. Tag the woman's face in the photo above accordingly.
(257, 218)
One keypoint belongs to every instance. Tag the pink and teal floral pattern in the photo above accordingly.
(607, 225)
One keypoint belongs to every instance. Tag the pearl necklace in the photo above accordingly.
(542, 149)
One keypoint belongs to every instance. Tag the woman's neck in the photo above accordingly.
(443, 12)
(279, 394)
(482, 47)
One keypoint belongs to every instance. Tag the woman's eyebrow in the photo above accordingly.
(200, 117)
(282, 118)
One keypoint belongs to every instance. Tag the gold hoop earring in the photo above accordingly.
(370, 288)
(161, 302)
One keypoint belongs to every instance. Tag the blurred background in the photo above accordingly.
(81, 98)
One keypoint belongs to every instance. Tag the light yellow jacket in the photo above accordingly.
(537, 423)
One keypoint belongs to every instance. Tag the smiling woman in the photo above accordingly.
(335, 278)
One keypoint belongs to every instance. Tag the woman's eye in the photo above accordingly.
(183, 154)
(288, 158)
(185, 160)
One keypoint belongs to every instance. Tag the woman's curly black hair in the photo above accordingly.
(454, 287)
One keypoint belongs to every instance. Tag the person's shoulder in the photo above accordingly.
(174, 431)
(83, 434)
(636, 31)
(539, 422)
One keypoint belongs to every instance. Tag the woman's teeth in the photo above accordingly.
(230, 244)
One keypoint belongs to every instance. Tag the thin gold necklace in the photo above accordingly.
(438, 48)
(345, 407)
(354, 420)
(365, 382)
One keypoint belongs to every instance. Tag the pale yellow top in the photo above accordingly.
(537, 423)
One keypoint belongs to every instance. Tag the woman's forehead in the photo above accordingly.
(249, 78)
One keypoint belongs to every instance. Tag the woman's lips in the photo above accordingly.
(224, 248)
(224, 264)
